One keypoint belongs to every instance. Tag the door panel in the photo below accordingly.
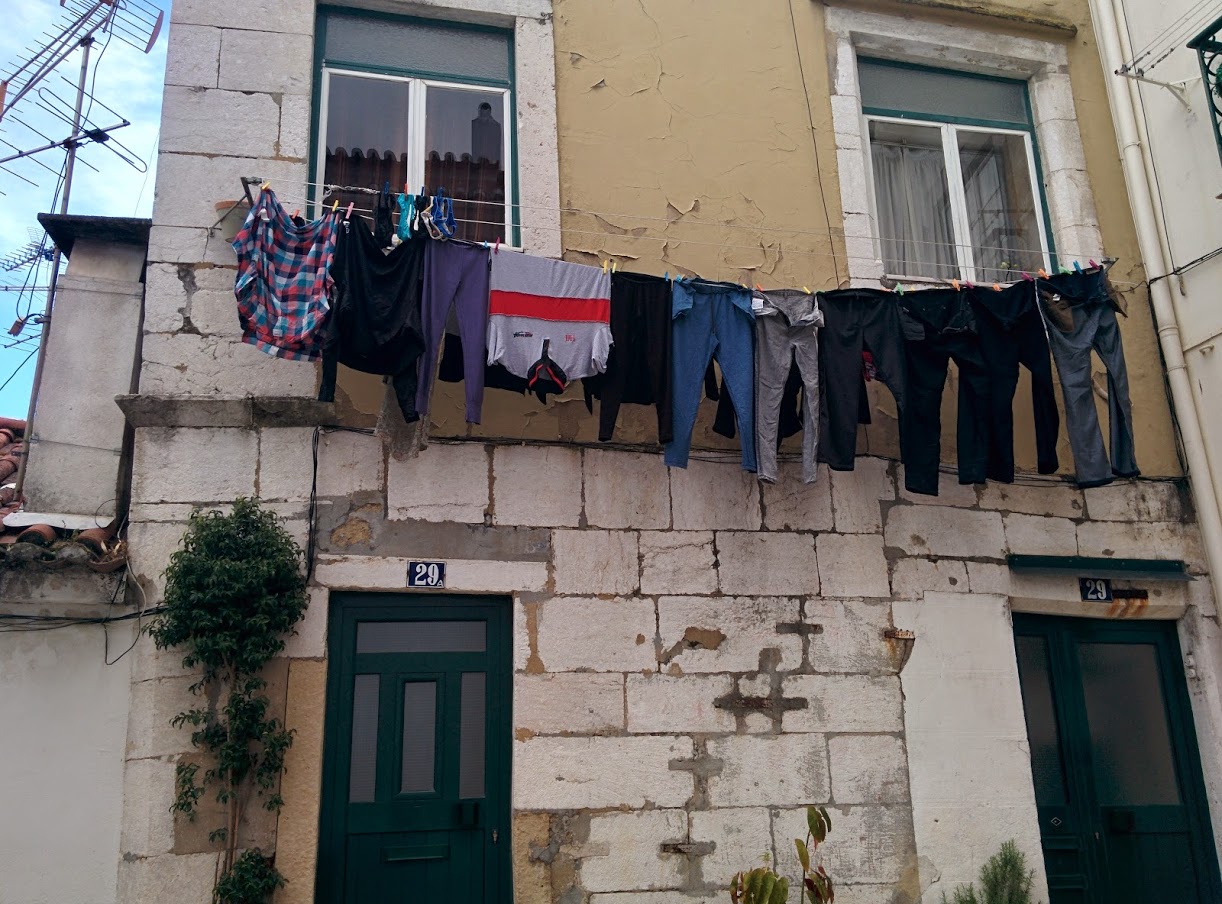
(415, 798)
(1117, 775)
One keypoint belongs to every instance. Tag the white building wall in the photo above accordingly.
(63, 726)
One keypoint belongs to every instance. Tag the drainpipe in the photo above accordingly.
(1145, 218)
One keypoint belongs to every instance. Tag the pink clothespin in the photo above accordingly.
(348, 213)
(1094, 264)
(496, 249)
(1027, 276)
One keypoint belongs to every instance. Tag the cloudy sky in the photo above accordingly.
(127, 82)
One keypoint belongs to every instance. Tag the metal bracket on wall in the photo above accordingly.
(1178, 89)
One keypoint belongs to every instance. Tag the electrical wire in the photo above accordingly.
(1184, 268)
(17, 370)
(1157, 40)
(1178, 41)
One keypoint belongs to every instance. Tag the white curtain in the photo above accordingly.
(1003, 235)
(913, 210)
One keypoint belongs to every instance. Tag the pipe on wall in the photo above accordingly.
(1133, 156)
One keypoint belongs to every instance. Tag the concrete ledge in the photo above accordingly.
(172, 411)
(1055, 27)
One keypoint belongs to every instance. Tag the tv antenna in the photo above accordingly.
(138, 24)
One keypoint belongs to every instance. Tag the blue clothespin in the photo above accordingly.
(1077, 268)
(667, 276)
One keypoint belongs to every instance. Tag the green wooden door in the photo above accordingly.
(1118, 785)
(416, 783)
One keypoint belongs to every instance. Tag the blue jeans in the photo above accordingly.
(711, 320)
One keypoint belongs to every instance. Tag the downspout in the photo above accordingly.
(1145, 218)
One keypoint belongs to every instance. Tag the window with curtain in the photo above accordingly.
(414, 104)
(956, 190)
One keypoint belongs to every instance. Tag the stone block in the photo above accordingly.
(193, 57)
(925, 530)
(790, 504)
(678, 562)
(844, 703)
(165, 299)
(153, 704)
(586, 634)
(215, 178)
(1144, 540)
(665, 703)
(769, 771)
(148, 793)
(853, 565)
(276, 16)
(286, 463)
(443, 483)
(362, 572)
(950, 492)
(652, 897)
(255, 61)
(856, 495)
(776, 564)
(294, 135)
(851, 639)
(184, 879)
(209, 292)
(1056, 500)
(595, 561)
(726, 634)
(867, 844)
(151, 546)
(913, 578)
(488, 576)
(310, 639)
(591, 773)
(532, 883)
(1138, 500)
(189, 245)
(710, 495)
(741, 836)
(634, 858)
(572, 703)
(185, 364)
(210, 121)
(194, 465)
(868, 769)
(297, 825)
(987, 577)
(536, 486)
(349, 463)
(626, 490)
(1037, 535)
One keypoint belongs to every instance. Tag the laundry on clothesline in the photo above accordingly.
(409, 302)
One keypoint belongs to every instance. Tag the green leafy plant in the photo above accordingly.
(234, 591)
(763, 886)
(1004, 879)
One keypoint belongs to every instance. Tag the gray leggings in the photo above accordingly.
(1095, 327)
(786, 330)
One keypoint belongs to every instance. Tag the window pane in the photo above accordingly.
(422, 637)
(1001, 208)
(1042, 734)
(941, 93)
(471, 737)
(367, 143)
(419, 737)
(416, 46)
(464, 154)
(1129, 736)
(363, 764)
(913, 199)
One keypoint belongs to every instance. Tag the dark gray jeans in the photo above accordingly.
(1095, 327)
(787, 323)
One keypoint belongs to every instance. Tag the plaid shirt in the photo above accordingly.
(284, 279)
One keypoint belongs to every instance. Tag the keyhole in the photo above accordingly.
(494, 836)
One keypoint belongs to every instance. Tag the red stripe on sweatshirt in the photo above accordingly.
(547, 307)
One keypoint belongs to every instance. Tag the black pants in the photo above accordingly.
(1012, 333)
(939, 327)
(726, 421)
(638, 369)
(855, 319)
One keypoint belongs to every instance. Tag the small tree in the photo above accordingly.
(1005, 879)
(234, 591)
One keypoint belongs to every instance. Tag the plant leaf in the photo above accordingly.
(803, 853)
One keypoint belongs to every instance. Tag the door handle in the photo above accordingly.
(468, 814)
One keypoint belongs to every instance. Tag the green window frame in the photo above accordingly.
(951, 128)
(418, 82)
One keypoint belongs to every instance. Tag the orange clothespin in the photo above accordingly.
(955, 283)
(759, 288)
(996, 287)
(1043, 273)
(296, 213)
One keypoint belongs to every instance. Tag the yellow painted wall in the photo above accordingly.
(685, 136)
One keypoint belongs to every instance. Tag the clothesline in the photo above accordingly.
(291, 200)
(330, 189)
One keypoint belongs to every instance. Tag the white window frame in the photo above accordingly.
(961, 226)
(416, 151)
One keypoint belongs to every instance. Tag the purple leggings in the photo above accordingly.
(455, 275)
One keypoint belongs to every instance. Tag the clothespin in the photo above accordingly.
(759, 288)
(1043, 273)
(496, 249)
(969, 284)
(606, 265)
(335, 206)
(806, 290)
(955, 283)
(386, 187)
(666, 276)
(265, 186)
(614, 266)
(1027, 276)
(296, 213)
(348, 213)
(1094, 264)
(899, 289)
(1064, 269)
(996, 287)
(1077, 268)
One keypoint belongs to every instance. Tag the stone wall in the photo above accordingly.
(697, 655)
